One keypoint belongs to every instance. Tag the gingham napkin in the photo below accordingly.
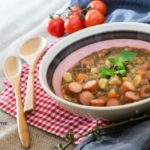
(47, 115)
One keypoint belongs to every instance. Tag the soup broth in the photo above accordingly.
(109, 77)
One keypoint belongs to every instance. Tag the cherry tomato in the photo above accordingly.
(75, 10)
(98, 5)
(93, 17)
(55, 27)
(73, 24)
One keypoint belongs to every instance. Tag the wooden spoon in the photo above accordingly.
(12, 70)
(30, 51)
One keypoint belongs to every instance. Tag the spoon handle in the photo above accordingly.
(23, 130)
(29, 99)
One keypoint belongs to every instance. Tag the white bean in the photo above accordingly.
(67, 77)
(115, 80)
(137, 80)
(103, 83)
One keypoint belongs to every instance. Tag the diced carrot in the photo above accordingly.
(113, 94)
(81, 77)
(141, 73)
(142, 69)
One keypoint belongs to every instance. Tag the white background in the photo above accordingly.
(22, 19)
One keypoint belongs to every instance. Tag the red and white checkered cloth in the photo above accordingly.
(47, 115)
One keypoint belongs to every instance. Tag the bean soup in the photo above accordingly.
(109, 77)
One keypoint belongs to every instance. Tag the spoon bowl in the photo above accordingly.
(32, 48)
(30, 52)
(12, 70)
(12, 67)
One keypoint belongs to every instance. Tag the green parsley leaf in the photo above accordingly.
(121, 72)
(106, 72)
(113, 60)
(126, 56)
(118, 67)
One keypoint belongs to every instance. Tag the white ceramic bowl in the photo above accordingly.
(58, 60)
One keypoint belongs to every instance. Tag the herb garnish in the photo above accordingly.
(118, 63)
